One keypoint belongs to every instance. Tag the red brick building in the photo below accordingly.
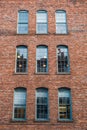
(43, 65)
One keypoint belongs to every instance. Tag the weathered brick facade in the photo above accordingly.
(76, 40)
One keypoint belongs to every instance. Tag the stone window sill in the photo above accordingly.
(20, 73)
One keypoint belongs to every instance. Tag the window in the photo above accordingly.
(61, 25)
(42, 58)
(22, 22)
(19, 104)
(42, 104)
(41, 25)
(64, 104)
(63, 59)
(21, 59)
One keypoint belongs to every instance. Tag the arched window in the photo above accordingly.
(61, 24)
(42, 58)
(64, 101)
(19, 104)
(41, 104)
(22, 22)
(41, 22)
(63, 59)
(21, 59)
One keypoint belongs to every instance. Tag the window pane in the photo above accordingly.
(21, 59)
(41, 28)
(20, 98)
(61, 28)
(64, 104)
(23, 17)
(23, 28)
(22, 22)
(42, 104)
(63, 59)
(19, 112)
(42, 59)
(42, 17)
(42, 22)
(61, 25)
(60, 17)
(19, 103)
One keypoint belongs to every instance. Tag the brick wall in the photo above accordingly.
(76, 40)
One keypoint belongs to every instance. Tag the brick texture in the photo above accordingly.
(76, 40)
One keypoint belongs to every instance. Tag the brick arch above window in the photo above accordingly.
(45, 88)
(22, 88)
(67, 88)
(42, 45)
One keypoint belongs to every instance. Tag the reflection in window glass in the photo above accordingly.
(20, 103)
(61, 25)
(42, 104)
(23, 22)
(63, 59)
(41, 25)
(64, 104)
(21, 59)
(42, 59)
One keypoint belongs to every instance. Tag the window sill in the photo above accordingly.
(61, 34)
(22, 33)
(42, 73)
(65, 121)
(20, 73)
(42, 33)
(18, 120)
(63, 73)
(39, 120)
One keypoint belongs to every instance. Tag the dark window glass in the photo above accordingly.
(21, 59)
(63, 59)
(42, 104)
(42, 59)
(64, 104)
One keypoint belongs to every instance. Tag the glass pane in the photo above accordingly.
(41, 28)
(22, 28)
(42, 17)
(42, 59)
(20, 98)
(61, 28)
(63, 60)
(21, 65)
(60, 17)
(42, 104)
(19, 112)
(64, 103)
(23, 17)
